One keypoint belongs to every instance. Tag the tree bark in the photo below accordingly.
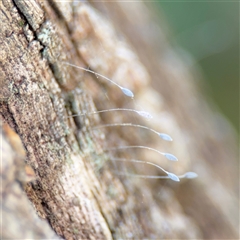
(68, 176)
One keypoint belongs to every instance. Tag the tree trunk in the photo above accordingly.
(70, 176)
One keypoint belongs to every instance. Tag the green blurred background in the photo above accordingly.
(209, 31)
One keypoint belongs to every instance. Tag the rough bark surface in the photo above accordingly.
(68, 176)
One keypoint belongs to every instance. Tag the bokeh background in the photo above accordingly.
(207, 34)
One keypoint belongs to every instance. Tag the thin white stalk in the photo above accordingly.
(171, 176)
(125, 91)
(164, 136)
(141, 113)
(142, 176)
(139, 161)
(167, 155)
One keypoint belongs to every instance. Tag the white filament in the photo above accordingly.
(141, 113)
(125, 91)
(140, 161)
(167, 155)
(161, 135)
(171, 176)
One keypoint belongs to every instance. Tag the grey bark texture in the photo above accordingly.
(60, 163)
